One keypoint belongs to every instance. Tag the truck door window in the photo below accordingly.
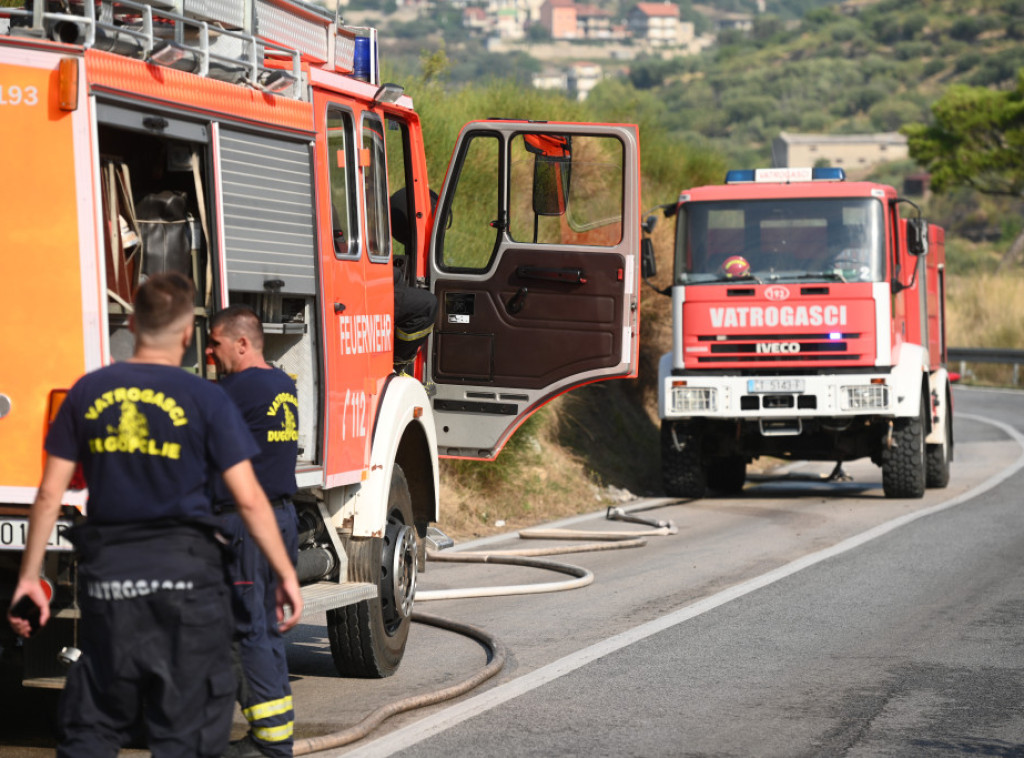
(401, 203)
(375, 190)
(472, 226)
(341, 166)
(565, 190)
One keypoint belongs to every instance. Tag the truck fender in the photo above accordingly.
(664, 372)
(404, 429)
(907, 381)
(938, 386)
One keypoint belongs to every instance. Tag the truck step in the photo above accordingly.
(438, 540)
(323, 596)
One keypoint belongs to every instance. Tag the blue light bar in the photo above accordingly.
(739, 175)
(784, 175)
(828, 174)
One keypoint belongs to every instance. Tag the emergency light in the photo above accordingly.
(753, 175)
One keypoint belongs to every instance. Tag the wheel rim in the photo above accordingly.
(398, 573)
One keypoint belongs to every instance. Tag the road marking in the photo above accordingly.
(426, 728)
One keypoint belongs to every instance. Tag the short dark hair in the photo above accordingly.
(238, 320)
(162, 300)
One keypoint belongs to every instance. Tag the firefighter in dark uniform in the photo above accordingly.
(415, 307)
(155, 631)
(267, 398)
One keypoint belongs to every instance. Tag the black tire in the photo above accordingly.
(368, 638)
(938, 457)
(682, 472)
(727, 475)
(903, 464)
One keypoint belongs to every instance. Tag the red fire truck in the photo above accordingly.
(252, 146)
(808, 323)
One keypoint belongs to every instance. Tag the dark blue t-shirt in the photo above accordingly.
(149, 438)
(267, 399)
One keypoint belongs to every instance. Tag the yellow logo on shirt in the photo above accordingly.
(136, 395)
(289, 431)
(131, 435)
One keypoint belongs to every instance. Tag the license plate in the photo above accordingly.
(775, 385)
(14, 532)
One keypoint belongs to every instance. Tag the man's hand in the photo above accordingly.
(32, 592)
(57, 475)
(288, 593)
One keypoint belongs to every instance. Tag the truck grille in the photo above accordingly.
(777, 349)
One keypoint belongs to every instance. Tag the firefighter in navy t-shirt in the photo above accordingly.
(266, 397)
(155, 632)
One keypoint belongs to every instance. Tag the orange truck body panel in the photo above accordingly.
(44, 320)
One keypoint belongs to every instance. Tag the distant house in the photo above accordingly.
(551, 78)
(848, 151)
(582, 77)
(740, 22)
(917, 185)
(559, 18)
(593, 22)
(655, 23)
(476, 18)
(575, 79)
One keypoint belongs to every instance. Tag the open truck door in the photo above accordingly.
(535, 265)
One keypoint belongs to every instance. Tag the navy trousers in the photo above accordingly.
(155, 638)
(264, 694)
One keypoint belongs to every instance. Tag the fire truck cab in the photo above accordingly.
(808, 323)
(252, 146)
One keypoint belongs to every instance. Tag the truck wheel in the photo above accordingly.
(682, 473)
(903, 464)
(368, 638)
(938, 457)
(727, 475)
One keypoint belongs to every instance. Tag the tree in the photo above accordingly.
(977, 140)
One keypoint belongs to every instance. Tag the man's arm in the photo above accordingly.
(56, 477)
(255, 510)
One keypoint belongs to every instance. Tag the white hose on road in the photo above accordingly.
(525, 557)
(496, 650)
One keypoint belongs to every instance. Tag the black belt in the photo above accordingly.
(277, 502)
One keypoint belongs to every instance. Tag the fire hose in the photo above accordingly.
(496, 654)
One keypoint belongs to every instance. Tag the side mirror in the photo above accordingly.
(917, 237)
(551, 170)
(648, 266)
(550, 187)
(649, 223)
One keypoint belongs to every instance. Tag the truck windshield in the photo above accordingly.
(837, 239)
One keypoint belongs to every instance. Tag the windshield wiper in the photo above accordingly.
(722, 278)
(836, 276)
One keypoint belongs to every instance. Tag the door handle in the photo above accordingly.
(516, 303)
(544, 274)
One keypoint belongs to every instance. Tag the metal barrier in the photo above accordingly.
(1001, 355)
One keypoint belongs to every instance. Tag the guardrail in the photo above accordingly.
(965, 355)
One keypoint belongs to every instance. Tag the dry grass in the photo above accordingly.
(586, 450)
(986, 311)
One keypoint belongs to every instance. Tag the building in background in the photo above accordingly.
(847, 151)
(559, 18)
(655, 23)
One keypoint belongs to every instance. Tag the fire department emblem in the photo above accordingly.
(776, 292)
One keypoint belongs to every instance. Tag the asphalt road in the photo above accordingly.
(802, 619)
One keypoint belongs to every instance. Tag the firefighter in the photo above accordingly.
(155, 633)
(267, 398)
(415, 308)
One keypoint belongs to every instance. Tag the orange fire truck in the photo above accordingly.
(252, 146)
(808, 323)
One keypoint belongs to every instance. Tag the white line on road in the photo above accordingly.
(426, 728)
